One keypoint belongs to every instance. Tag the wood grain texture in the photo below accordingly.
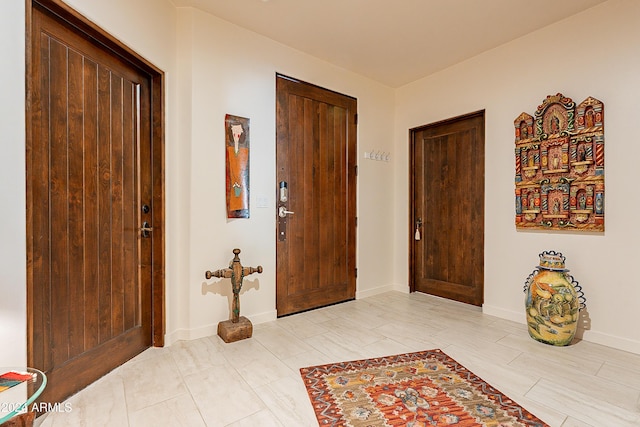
(95, 288)
(316, 156)
(447, 187)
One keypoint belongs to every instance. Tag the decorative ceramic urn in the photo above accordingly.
(553, 301)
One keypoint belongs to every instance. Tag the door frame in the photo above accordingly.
(156, 76)
(412, 170)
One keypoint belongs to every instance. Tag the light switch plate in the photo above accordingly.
(262, 202)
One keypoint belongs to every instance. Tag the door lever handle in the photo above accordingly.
(146, 229)
(283, 212)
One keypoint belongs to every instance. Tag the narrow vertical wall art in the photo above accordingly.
(560, 166)
(237, 160)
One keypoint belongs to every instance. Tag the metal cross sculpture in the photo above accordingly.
(236, 272)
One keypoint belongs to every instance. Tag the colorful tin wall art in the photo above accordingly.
(559, 158)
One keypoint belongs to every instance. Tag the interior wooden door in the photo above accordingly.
(316, 161)
(447, 209)
(91, 207)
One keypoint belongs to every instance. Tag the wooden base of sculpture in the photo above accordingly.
(231, 332)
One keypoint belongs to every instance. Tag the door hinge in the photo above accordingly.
(356, 170)
(356, 272)
(356, 221)
(355, 118)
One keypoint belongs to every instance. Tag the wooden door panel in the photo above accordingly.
(75, 204)
(90, 202)
(448, 196)
(316, 157)
(89, 169)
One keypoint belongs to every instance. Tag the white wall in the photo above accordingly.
(227, 70)
(594, 54)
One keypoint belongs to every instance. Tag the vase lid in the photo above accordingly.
(552, 260)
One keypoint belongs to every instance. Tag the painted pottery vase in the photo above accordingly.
(553, 301)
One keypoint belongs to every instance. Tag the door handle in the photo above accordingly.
(283, 212)
(146, 229)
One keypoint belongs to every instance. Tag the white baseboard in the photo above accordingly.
(190, 334)
(265, 317)
(595, 337)
(515, 316)
(382, 289)
(613, 341)
(212, 330)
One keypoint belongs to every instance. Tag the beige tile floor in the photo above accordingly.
(255, 382)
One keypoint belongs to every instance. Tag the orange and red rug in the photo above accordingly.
(426, 388)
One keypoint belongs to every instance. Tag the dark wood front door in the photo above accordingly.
(92, 154)
(447, 206)
(316, 158)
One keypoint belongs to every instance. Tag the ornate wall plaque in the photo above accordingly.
(560, 166)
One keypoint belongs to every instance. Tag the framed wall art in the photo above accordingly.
(237, 166)
(559, 158)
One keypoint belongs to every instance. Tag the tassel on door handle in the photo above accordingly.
(418, 225)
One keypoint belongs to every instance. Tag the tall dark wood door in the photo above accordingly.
(316, 160)
(447, 206)
(90, 208)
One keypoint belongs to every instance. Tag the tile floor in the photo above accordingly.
(255, 382)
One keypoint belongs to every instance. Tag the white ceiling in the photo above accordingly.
(392, 42)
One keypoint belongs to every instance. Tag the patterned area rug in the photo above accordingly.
(427, 388)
